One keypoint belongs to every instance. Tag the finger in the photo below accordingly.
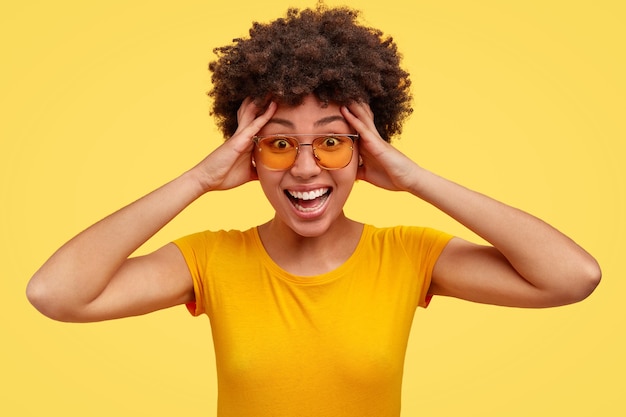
(361, 123)
(246, 113)
(364, 126)
(362, 106)
(354, 121)
(261, 120)
(250, 124)
(363, 112)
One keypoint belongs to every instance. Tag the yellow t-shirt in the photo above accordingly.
(322, 346)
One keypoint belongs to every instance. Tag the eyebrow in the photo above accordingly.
(321, 122)
(283, 122)
(328, 120)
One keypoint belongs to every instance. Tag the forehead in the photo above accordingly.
(311, 114)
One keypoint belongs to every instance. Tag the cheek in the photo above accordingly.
(346, 178)
(270, 181)
(350, 172)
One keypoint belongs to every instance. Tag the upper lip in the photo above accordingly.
(308, 193)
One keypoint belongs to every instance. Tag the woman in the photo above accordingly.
(311, 311)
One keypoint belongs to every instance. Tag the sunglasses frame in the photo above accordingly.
(295, 136)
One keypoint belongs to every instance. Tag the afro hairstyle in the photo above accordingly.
(321, 51)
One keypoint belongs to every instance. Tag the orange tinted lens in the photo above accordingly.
(276, 152)
(333, 152)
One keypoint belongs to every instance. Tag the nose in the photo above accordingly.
(306, 164)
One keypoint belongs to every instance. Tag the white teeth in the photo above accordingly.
(308, 195)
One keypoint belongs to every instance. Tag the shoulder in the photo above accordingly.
(413, 242)
(208, 243)
(407, 234)
(209, 237)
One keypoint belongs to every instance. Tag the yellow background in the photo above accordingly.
(100, 102)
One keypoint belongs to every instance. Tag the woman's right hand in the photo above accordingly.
(229, 165)
(92, 278)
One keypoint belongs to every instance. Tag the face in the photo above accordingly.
(308, 199)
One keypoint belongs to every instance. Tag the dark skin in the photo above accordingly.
(527, 263)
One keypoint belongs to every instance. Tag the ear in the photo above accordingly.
(253, 162)
(360, 160)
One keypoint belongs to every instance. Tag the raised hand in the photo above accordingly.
(92, 278)
(229, 165)
(382, 164)
(530, 264)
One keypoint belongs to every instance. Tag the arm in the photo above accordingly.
(530, 264)
(91, 277)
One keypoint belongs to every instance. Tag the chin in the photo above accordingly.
(311, 227)
(310, 230)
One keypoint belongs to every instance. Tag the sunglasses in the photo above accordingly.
(279, 152)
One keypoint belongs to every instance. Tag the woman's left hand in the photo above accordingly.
(530, 264)
(382, 164)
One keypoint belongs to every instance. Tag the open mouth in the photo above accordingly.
(308, 201)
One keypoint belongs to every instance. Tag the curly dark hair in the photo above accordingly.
(323, 51)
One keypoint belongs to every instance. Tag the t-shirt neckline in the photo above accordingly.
(336, 273)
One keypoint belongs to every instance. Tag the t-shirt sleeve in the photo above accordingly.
(424, 245)
(195, 249)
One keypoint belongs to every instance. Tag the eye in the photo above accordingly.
(280, 144)
(330, 143)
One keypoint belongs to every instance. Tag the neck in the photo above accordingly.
(310, 255)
